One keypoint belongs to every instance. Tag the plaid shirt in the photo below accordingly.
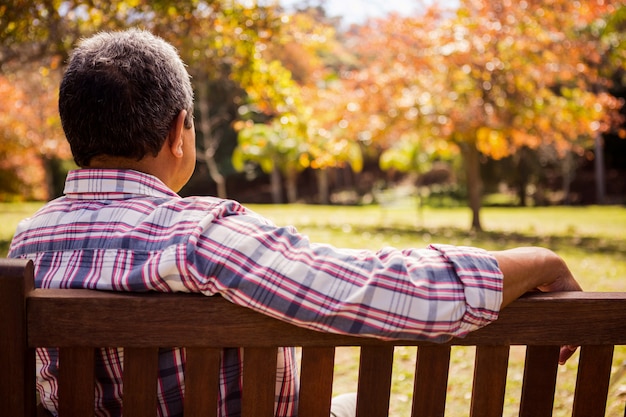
(123, 230)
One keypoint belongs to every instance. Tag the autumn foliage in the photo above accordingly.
(482, 80)
(29, 133)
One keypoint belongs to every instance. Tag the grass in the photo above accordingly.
(591, 239)
(10, 216)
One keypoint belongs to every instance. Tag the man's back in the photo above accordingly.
(125, 231)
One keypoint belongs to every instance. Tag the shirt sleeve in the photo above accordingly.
(433, 293)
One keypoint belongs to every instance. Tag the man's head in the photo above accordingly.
(121, 95)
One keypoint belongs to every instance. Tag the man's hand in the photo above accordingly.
(535, 269)
(566, 352)
(532, 268)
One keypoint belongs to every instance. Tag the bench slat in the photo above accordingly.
(76, 381)
(539, 382)
(17, 361)
(139, 319)
(489, 386)
(202, 374)
(141, 368)
(592, 381)
(375, 370)
(431, 381)
(316, 381)
(259, 382)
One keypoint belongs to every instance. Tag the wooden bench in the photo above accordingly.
(77, 321)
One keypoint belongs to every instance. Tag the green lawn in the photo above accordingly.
(10, 215)
(591, 239)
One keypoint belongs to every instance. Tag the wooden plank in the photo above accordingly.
(202, 374)
(431, 381)
(316, 381)
(141, 369)
(375, 370)
(137, 320)
(489, 384)
(259, 382)
(76, 381)
(17, 361)
(592, 381)
(539, 382)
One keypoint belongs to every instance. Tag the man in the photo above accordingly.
(126, 107)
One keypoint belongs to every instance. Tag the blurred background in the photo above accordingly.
(452, 103)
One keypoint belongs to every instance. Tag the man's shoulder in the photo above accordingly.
(204, 206)
(209, 202)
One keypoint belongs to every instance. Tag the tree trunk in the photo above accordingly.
(292, 186)
(599, 169)
(521, 192)
(474, 182)
(276, 186)
(567, 168)
(523, 174)
(322, 186)
(214, 172)
(210, 142)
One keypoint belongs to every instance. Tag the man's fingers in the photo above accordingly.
(566, 353)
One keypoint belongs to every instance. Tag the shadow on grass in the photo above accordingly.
(505, 239)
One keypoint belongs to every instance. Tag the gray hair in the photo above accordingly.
(120, 95)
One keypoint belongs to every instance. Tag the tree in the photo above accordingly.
(223, 46)
(30, 132)
(608, 61)
(283, 149)
(303, 104)
(491, 78)
(330, 150)
(32, 30)
(278, 150)
(528, 74)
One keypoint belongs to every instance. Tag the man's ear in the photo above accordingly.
(175, 136)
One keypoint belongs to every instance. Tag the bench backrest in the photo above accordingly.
(78, 321)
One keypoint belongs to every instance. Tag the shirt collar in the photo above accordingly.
(114, 184)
